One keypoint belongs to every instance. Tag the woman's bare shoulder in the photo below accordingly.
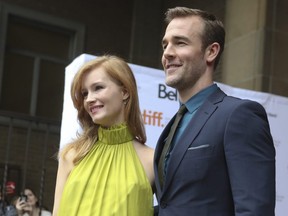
(68, 158)
(143, 148)
(146, 156)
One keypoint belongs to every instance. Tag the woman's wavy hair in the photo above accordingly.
(121, 73)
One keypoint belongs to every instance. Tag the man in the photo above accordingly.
(5, 208)
(221, 160)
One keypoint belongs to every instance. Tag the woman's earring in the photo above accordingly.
(125, 102)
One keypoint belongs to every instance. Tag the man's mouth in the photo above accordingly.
(173, 65)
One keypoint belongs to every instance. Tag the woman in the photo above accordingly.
(107, 170)
(27, 205)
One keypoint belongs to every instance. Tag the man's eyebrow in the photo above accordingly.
(181, 38)
(176, 38)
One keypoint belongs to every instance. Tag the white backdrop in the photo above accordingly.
(158, 104)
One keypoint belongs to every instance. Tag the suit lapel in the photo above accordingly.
(162, 139)
(158, 150)
(191, 132)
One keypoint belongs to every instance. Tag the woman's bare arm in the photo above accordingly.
(146, 155)
(65, 166)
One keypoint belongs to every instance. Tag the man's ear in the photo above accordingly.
(211, 52)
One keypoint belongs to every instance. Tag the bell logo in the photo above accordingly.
(163, 93)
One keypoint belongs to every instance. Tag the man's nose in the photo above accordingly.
(169, 51)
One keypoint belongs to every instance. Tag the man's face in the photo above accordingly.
(183, 58)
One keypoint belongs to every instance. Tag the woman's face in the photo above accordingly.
(103, 98)
(31, 198)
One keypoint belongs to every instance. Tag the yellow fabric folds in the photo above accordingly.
(110, 180)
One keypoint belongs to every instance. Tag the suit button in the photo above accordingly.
(163, 204)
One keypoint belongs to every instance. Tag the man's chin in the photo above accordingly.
(170, 83)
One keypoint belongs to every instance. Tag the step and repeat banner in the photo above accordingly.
(159, 103)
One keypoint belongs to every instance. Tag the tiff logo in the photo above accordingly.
(152, 118)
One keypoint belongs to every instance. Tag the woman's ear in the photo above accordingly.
(211, 52)
(125, 94)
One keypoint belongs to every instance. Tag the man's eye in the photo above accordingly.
(164, 46)
(181, 43)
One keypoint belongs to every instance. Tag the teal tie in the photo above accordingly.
(167, 146)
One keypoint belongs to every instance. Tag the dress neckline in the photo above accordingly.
(117, 134)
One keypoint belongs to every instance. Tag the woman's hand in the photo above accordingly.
(23, 207)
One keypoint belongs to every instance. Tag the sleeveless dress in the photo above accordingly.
(109, 180)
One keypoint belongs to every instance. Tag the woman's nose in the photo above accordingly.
(90, 97)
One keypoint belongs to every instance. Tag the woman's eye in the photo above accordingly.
(98, 88)
(84, 94)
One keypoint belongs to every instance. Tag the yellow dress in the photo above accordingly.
(110, 180)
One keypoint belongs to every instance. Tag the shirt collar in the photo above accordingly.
(198, 99)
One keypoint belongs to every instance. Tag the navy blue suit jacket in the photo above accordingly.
(223, 165)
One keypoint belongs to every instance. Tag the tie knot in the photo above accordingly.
(182, 109)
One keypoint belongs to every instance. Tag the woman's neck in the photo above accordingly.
(35, 211)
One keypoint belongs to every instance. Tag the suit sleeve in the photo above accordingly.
(250, 157)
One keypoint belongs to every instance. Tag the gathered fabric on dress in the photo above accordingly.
(109, 180)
